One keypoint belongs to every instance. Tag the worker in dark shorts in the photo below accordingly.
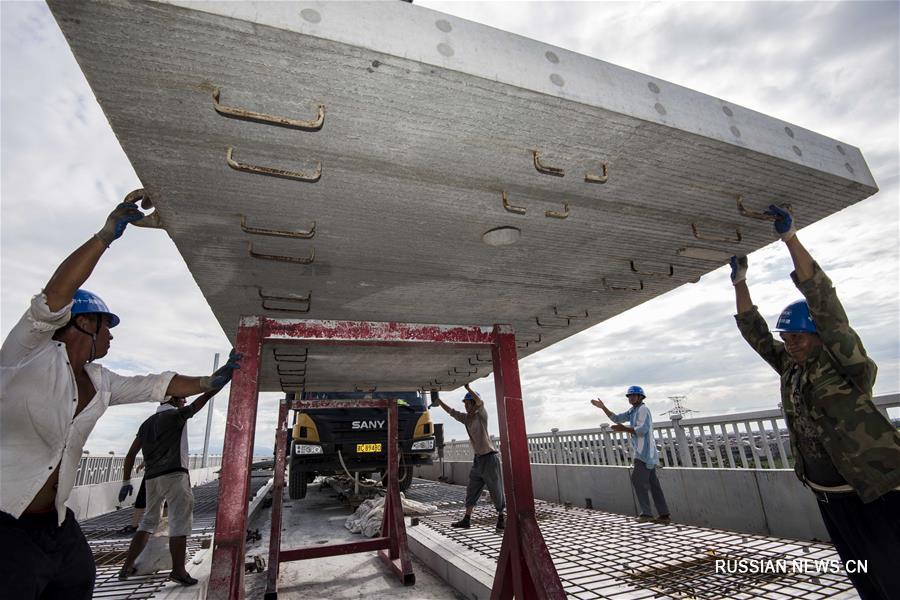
(52, 392)
(486, 466)
(845, 450)
(163, 440)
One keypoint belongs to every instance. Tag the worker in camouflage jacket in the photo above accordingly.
(845, 450)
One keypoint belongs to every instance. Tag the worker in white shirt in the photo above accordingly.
(51, 395)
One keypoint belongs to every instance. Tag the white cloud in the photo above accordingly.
(829, 67)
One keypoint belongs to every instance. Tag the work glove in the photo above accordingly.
(125, 491)
(784, 222)
(125, 213)
(222, 375)
(738, 269)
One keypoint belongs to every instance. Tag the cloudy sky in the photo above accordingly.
(829, 67)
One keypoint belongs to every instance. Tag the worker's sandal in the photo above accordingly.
(501, 522)
(126, 573)
(463, 523)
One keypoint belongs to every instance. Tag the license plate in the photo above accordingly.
(364, 448)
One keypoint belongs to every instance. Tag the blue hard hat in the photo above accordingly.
(89, 303)
(468, 396)
(636, 389)
(795, 318)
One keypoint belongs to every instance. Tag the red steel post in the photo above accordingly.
(226, 579)
(525, 569)
(277, 497)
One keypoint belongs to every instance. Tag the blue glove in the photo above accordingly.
(125, 213)
(125, 491)
(784, 222)
(223, 374)
(738, 269)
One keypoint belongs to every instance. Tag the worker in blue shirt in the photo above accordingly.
(646, 456)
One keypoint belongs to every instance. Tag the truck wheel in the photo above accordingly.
(296, 483)
(406, 477)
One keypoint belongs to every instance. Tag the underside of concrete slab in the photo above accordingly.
(384, 162)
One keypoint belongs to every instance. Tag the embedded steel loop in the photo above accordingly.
(715, 238)
(623, 288)
(580, 315)
(602, 178)
(558, 215)
(668, 273)
(301, 300)
(519, 210)
(456, 371)
(362, 387)
(258, 117)
(296, 358)
(754, 214)
(481, 361)
(272, 171)
(308, 234)
(152, 221)
(554, 325)
(301, 260)
(520, 343)
(290, 372)
(541, 168)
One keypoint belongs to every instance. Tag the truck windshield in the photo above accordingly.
(413, 400)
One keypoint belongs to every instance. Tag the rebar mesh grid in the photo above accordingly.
(601, 555)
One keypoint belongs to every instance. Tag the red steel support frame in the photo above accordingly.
(525, 569)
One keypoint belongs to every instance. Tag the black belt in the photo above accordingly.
(826, 497)
(485, 454)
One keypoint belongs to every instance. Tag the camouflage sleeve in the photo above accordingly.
(842, 343)
(755, 330)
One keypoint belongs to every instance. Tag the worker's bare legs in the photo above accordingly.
(138, 543)
(178, 549)
(136, 517)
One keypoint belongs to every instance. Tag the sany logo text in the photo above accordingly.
(368, 425)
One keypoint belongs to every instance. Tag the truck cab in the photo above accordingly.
(329, 441)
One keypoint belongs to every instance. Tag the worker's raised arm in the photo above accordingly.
(78, 266)
(198, 404)
(602, 406)
(787, 230)
(742, 298)
(479, 403)
(184, 386)
(750, 323)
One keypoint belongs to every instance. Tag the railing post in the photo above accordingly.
(607, 445)
(557, 450)
(684, 454)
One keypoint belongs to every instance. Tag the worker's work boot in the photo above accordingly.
(644, 518)
(463, 523)
(501, 522)
(663, 519)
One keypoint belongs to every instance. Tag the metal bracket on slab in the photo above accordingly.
(301, 260)
(555, 171)
(602, 178)
(272, 171)
(152, 220)
(558, 215)
(623, 288)
(308, 234)
(757, 215)
(554, 325)
(522, 343)
(668, 273)
(294, 298)
(284, 357)
(735, 240)
(481, 361)
(249, 115)
(456, 371)
(579, 315)
(519, 210)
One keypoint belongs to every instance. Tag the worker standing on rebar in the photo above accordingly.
(163, 440)
(485, 469)
(844, 448)
(646, 457)
(51, 395)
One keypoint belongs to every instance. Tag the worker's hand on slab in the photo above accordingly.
(738, 269)
(784, 222)
(598, 403)
(223, 374)
(125, 213)
(125, 491)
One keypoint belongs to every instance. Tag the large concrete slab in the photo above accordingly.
(429, 121)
